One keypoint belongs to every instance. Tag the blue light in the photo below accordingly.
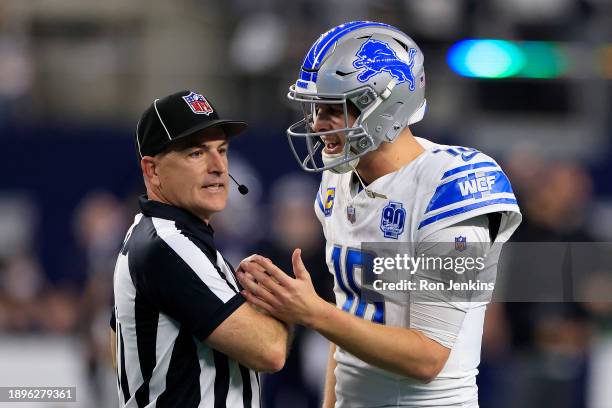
(486, 58)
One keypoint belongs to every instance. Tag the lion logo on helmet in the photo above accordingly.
(376, 57)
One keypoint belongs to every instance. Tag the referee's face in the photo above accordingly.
(192, 173)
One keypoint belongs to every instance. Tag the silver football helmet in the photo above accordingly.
(374, 66)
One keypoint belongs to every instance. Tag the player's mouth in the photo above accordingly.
(333, 145)
(214, 187)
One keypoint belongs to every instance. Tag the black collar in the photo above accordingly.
(152, 208)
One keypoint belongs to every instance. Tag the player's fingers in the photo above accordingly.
(299, 269)
(256, 289)
(246, 279)
(257, 264)
(251, 258)
(265, 280)
(246, 265)
(281, 277)
(249, 276)
(254, 270)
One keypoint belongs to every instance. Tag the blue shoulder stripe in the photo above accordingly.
(474, 185)
(467, 167)
(465, 209)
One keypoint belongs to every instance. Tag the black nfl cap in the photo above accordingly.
(178, 115)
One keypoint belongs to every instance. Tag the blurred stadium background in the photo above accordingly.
(75, 76)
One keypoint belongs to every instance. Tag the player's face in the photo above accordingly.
(329, 117)
(193, 174)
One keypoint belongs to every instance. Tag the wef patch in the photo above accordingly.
(477, 185)
(472, 186)
(392, 220)
(375, 57)
(198, 104)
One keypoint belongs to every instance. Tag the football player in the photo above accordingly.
(361, 85)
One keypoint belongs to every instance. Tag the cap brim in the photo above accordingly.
(230, 127)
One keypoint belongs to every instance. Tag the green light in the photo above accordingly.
(544, 60)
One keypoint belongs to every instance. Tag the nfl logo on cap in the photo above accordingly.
(198, 103)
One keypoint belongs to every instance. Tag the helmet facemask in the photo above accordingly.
(357, 141)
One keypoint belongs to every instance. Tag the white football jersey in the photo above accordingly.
(443, 186)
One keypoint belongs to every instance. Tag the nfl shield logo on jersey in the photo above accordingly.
(392, 220)
(198, 104)
(350, 214)
(460, 243)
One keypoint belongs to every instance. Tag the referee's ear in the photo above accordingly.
(148, 165)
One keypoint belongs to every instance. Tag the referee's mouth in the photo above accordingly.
(214, 187)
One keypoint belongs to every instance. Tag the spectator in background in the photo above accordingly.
(29, 301)
(556, 198)
(99, 222)
(538, 352)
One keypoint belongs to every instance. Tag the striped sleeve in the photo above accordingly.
(464, 191)
(184, 283)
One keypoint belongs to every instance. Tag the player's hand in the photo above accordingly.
(269, 288)
(247, 260)
(251, 261)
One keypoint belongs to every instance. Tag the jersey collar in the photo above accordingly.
(152, 208)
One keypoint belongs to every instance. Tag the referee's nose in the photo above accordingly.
(217, 163)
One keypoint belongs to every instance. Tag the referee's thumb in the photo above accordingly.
(298, 266)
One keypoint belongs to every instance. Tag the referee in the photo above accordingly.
(182, 334)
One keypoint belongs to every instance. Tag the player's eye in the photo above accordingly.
(223, 151)
(336, 109)
(196, 153)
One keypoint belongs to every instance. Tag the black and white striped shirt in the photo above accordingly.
(172, 289)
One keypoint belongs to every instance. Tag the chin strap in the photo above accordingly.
(341, 168)
(369, 193)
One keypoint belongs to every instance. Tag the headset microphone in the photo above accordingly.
(241, 187)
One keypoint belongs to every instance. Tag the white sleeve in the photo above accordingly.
(435, 316)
